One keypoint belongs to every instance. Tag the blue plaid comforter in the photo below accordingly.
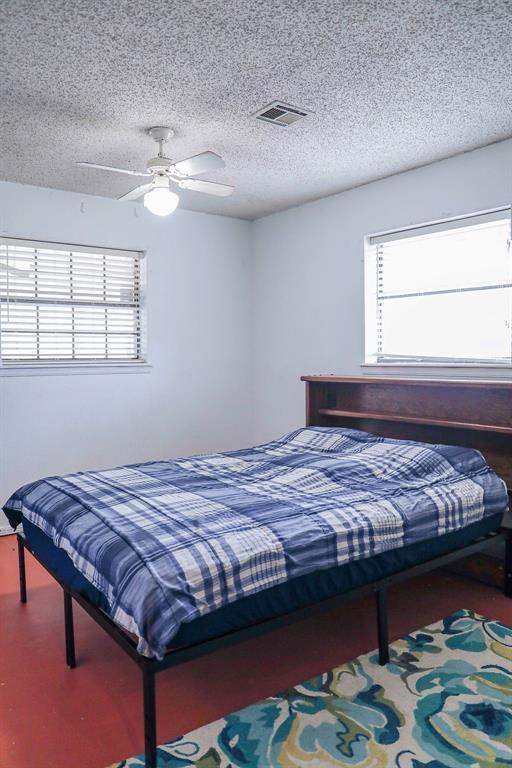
(169, 541)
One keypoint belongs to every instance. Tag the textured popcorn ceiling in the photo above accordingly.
(392, 84)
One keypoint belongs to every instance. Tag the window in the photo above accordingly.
(441, 293)
(63, 304)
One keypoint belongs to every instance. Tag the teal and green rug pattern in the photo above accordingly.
(444, 700)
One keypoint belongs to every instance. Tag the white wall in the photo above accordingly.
(308, 271)
(193, 399)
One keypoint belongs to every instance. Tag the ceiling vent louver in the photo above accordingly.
(279, 113)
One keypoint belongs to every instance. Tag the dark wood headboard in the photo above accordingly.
(476, 414)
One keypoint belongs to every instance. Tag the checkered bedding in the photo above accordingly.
(169, 541)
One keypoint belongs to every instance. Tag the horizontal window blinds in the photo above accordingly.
(62, 303)
(444, 292)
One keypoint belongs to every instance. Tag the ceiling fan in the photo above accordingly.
(159, 198)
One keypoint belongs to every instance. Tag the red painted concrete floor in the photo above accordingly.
(89, 717)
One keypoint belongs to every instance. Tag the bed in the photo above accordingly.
(175, 558)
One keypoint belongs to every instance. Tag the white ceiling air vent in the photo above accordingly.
(280, 114)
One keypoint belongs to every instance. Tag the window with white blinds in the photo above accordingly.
(68, 304)
(441, 293)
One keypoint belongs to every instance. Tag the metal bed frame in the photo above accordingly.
(149, 667)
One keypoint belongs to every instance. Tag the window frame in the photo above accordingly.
(438, 367)
(76, 366)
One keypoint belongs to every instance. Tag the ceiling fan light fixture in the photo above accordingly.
(161, 201)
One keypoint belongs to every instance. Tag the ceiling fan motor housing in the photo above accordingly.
(159, 164)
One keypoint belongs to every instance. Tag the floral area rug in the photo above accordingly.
(444, 699)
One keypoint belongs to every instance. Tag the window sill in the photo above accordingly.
(70, 369)
(440, 370)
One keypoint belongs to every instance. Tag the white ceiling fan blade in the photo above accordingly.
(116, 170)
(206, 161)
(134, 194)
(210, 187)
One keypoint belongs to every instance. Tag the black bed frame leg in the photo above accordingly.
(148, 684)
(507, 587)
(21, 565)
(382, 627)
(70, 631)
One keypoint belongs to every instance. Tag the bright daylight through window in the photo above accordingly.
(63, 304)
(441, 293)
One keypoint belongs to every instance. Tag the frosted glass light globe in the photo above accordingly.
(161, 201)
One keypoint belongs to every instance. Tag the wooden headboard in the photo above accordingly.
(476, 414)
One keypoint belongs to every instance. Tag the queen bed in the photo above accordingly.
(176, 558)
